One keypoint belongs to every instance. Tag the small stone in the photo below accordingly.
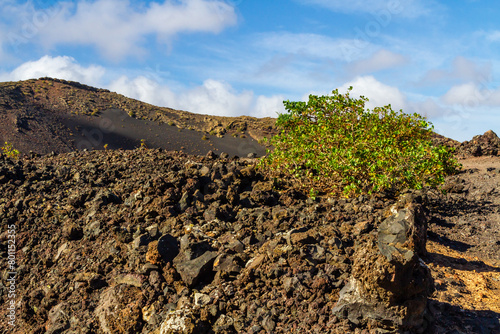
(211, 155)
(155, 279)
(184, 202)
(60, 251)
(201, 299)
(236, 246)
(362, 227)
(92, 230)
(223, 324)
(268, 324)
(255, 262)
(204, 171)
(255, 329)
(153, 256)
(148, 267)
(153, 231)
(179, 321)
(141, 240)
(58, 318)
(148, 312)
(168, 248)
(291, 283)
(194, 271)
(129, 279)
(72, 232)
(118, 310)
(300, 237)
(226, 264)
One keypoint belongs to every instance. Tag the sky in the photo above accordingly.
(245, 57)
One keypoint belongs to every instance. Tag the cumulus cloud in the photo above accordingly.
(380, 60)
(120, 28)
(378, 93)
(430, 108)
(62, 67)
(144, 89)
(211, 98)
(219, 98)
(216, 98)
(268, 106)
(471, 96)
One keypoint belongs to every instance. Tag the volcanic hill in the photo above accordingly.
(50, 115)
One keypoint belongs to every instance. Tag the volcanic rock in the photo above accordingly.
(389, 284)
(102, 246)
(485, 144)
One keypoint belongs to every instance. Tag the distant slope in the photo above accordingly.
(51, 115)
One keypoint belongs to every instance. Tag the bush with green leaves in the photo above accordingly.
(10, 151)
(332, 144)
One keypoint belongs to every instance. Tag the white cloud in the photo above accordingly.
(429, 108)
(471, 96)
(317, 46)
(211, 98)
(380, 60)
(403, 8)
(144, 89)
(119, 28)
(57, 67)
(216, 98)
(378, 93)
(493, 36)
(269, 106)
(460, 94)
(462, 69)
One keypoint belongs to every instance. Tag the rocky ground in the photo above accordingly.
(145, 241)
(156, 241)
(464, 249)
(150, 241)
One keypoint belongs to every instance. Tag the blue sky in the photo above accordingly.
(244, 57)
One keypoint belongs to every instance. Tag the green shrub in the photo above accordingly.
(10, 151)
(331, 144)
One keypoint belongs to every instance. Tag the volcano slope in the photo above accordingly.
(152, 241)
(50, 115)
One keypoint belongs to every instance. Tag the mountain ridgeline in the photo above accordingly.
(51, 115)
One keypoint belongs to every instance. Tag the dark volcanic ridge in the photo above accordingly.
(487, 144)
(150, 241)
(52, 115)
